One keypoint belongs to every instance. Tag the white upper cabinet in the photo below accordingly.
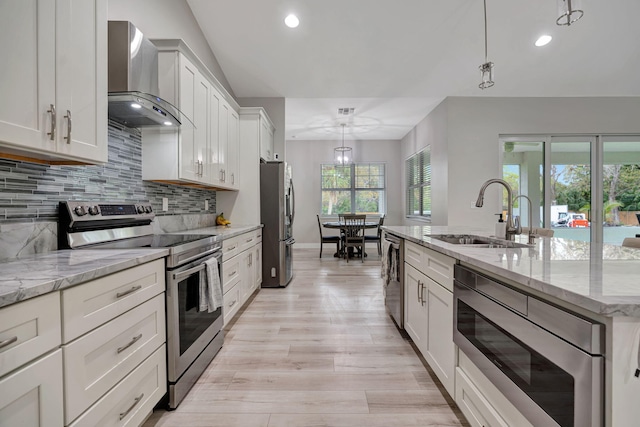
(266, 138)
(54, 93)
(201, 149)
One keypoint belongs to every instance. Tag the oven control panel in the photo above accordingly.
(94, 211)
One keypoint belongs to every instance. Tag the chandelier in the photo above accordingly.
(343, 155)
(486, 69)
(569, 11)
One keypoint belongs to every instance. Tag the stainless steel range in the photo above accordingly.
(193, 337)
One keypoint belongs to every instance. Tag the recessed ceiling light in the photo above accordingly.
(291, 21)
(168, 123)
(543, 40)
(136, 106)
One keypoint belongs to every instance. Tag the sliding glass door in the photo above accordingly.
(582, 187)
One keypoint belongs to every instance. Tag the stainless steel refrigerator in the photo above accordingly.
(277, 212)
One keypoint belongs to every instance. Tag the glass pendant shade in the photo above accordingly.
(486, 71)
(569, 11)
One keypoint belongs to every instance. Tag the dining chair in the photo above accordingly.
(631, 242)
(327, 239)
(377, 237)
(353, 234)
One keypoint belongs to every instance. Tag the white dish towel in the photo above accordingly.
(210, 287)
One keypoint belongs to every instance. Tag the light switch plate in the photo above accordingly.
(206, 205)
(165, 204)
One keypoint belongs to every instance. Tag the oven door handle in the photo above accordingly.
(181, 275)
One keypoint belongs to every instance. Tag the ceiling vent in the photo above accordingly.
(343, 112)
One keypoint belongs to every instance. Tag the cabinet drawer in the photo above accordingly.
(258, 236)
(230, 248)
(231, 302)
(100, 359)
(247, 241)
(413, 254)
(473, 405)
(32, 396)
(129, 402)
(29, 329)
(230, 273)
(439, 267)
(94, 303)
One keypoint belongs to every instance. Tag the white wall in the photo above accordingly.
(306, 157)
(275, 108)
(467, 129)
(168, 19)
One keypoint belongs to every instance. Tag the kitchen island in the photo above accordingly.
(599, 282)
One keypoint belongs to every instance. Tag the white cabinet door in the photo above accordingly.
(415, 312)
(246, 275)
(54, 94)
(233, 150)
(187, 87)
(215, 174)
(32, 396)
(257, 263)
(27, 80)
(266, 139)
(440, 349)
(81, 78)
(223, 139)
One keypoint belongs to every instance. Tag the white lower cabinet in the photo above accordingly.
(241, 270)
(131, 401)
(32, 395)
(480, 401)
(98, 360)
(428, 308)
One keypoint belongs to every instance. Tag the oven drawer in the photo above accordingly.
(100, 359)
(96, 302)
(28, 329)
(133, 399)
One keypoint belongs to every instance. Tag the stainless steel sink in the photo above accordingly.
(476, 241)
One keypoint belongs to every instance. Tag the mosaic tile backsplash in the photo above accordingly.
(30, 192)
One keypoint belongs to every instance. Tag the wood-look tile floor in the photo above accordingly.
(321, 352)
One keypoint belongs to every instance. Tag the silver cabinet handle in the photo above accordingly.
(69, 123)
(130, 291)
(233, 303)
(418, 289)
(232, 273)
(135, 402)
(422, 295)
(233, 178)
(52, 111)
(129, 344)
(8, 342)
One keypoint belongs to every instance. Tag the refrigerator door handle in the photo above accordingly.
(292, 201)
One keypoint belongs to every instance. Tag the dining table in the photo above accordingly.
(341, 225)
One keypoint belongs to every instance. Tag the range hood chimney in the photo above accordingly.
(133, 81)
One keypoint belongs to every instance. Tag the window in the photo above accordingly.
(355, 188)
(418, 169)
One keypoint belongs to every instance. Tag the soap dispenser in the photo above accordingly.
(501, 228)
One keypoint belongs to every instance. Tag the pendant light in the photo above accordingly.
(343, 155)
(569, 11)
(486, 69)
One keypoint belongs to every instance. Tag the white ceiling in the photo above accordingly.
(395, 60)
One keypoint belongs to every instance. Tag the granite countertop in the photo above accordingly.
(224, 231)
(35, 275)
(603, 279)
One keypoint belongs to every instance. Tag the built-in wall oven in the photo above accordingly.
(546, 360)
(193, 336)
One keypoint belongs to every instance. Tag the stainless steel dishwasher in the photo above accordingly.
(393, 274)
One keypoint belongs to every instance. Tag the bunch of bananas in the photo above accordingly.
(220, 220)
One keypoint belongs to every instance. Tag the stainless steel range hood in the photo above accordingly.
(133, 81)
